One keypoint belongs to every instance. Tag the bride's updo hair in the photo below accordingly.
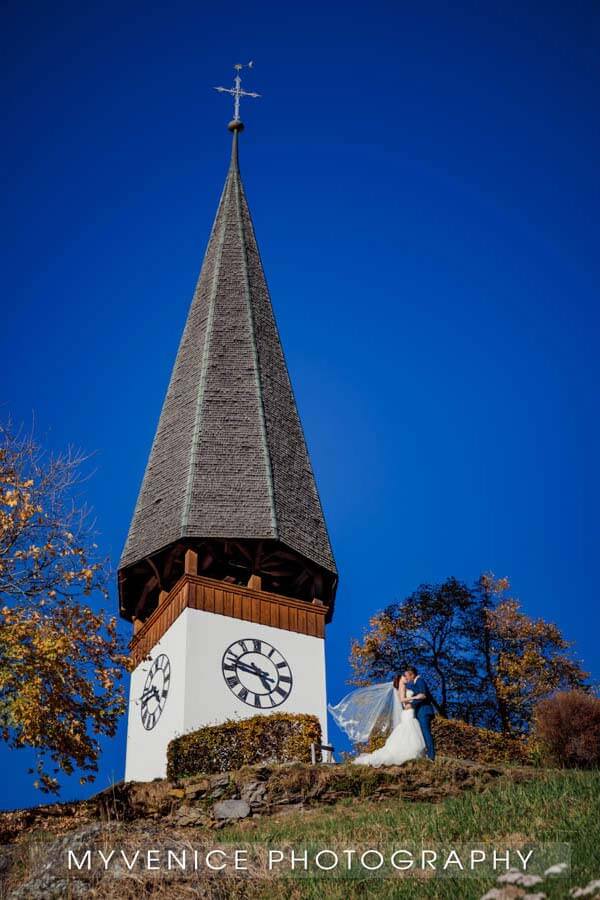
(396, 681)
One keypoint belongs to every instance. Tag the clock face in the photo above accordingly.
(257, 673)
(156, 690)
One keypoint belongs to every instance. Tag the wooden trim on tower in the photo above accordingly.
(235, 601)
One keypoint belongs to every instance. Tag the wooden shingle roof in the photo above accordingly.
(229, 458)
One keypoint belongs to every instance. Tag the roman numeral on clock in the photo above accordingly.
(256, 673)
(155, 691)
(149, 720)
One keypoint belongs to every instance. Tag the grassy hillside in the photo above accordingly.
(555, 807)
(448, 803)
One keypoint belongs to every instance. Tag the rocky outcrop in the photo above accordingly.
(170, 815)
(262, 790)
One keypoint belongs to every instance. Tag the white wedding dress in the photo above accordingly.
(404, 743)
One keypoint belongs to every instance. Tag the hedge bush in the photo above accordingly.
(455, 738)
(283, 737)
(566, 730)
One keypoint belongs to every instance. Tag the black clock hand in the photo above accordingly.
(254, 670)
(151, 692)
(264, 676)
(245, 667)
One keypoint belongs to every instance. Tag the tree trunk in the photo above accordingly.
(443, 705)
(501, 705)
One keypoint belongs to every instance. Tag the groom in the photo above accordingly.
(422, 704)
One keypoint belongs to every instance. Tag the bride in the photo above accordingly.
(379, 707)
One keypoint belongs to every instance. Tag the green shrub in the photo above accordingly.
(283, 737)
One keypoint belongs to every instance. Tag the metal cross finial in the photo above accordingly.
(236, 91)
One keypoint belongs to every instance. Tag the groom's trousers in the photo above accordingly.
(424, 720)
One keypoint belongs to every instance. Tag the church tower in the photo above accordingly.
(227, 573)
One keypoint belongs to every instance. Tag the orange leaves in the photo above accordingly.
(61, 663)
(485, 659)
(526, 658)
(63, 677)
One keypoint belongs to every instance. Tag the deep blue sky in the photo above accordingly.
(425, 187)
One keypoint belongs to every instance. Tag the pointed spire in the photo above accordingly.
(235, 153)
(229, 459)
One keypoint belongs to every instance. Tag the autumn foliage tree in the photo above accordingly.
(426, 629)
(520, 660)
(488, 662)
(61, 662)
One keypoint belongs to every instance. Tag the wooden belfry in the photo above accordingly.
(228, 517)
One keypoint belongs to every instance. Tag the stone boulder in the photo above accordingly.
(231, 809)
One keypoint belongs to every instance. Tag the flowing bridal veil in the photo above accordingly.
(377, 709)
(367, 710)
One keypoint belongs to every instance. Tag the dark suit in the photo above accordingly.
(424, 712)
